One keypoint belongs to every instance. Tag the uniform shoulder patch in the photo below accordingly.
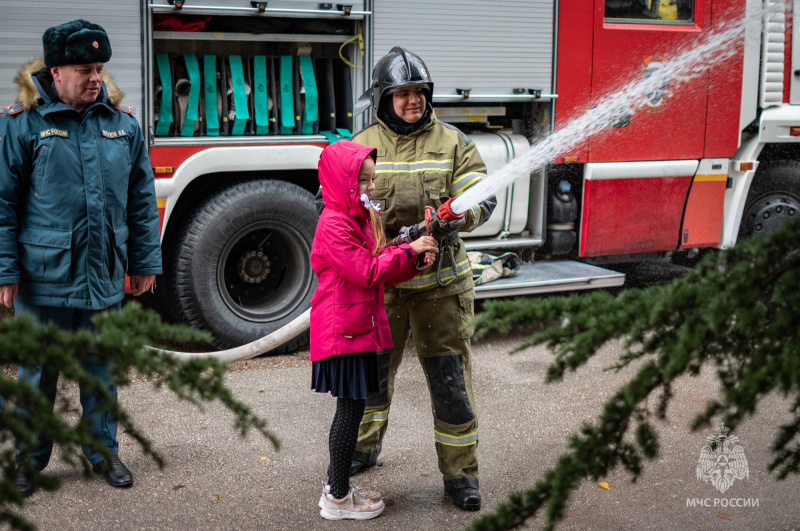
(127, 109)
(14, 108)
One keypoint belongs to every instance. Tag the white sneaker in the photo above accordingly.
(373, 495)
(357, 504)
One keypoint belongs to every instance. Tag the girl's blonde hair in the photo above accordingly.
(377, 231)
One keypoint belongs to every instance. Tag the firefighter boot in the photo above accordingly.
(464, 493)
(363, 461)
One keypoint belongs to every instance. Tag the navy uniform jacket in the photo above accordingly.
(77, 197)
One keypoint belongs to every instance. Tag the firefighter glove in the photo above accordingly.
(442, 229)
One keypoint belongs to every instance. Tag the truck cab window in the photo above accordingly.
(650, 11)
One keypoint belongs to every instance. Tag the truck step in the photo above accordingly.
(547, 277)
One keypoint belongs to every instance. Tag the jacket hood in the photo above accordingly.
(339, 165)
(28, 94)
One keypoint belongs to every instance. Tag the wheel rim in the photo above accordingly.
(264, 271)
(770, 213)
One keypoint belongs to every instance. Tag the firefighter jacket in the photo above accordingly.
(77, 197)
(347, 314)
(413, 171)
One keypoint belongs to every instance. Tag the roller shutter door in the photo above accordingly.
(489, 47)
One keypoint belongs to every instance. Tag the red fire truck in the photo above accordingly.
(238, 98)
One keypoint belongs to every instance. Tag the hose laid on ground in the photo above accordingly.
(296, 327)
(260, 346)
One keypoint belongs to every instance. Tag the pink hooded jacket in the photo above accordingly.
(347, 314)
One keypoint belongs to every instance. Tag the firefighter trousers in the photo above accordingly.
(443, 348)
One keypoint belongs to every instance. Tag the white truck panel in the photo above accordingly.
(599, 171)
(794, 90)
(232, 158)
(772, 48)
(736, 192)
(511, 213)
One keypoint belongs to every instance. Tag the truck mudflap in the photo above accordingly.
(548, 277)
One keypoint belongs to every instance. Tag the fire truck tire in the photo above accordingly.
(165, 295)
(773, 199)
(243, 268)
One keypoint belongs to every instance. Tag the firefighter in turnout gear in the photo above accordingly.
(420, 161)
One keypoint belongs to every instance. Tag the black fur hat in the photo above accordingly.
(75, 43)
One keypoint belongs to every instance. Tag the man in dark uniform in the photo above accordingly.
(77, 212)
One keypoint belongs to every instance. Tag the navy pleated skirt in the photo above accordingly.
(347, 375)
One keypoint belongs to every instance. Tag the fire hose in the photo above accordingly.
(446, 242)
(302, 322)
(260, 346)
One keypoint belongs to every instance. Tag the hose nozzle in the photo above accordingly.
(445, 212)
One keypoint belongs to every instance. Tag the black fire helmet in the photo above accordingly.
(398, 68)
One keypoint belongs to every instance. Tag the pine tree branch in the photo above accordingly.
(738, 311)
(792, 260)
(120, 336)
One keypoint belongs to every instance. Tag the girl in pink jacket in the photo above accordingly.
(348, 321)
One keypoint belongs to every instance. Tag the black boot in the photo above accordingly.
(464, 493)
(467, 499)
(116, 473)
(363, 461)
(24, 482)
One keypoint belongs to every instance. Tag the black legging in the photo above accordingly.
(342, 443)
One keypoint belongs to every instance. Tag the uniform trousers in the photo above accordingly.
(443, 348)
(102, 422)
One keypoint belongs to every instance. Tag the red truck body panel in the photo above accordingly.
(702, 220)
(667, 128)
(690, 119)
(624, 216)
(724, 89)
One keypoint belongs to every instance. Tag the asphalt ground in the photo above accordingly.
(216, 480)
